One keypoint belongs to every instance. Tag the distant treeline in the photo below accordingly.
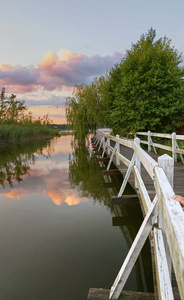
(61, 126)
(17, 124)
(145, 91)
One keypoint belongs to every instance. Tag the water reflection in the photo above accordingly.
(57, 224)
(85, 174)
(38, 167)
(15, 160)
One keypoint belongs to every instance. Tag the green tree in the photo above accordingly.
(144, 92)
(11, 110)
(149, 88)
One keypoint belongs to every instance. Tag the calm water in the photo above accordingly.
(56, 233)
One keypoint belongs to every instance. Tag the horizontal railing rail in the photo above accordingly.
(164, 215)
(173, 137)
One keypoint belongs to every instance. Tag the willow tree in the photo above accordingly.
(84, 109)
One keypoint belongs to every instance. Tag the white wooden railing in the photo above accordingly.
(173, 137)
(164, 215)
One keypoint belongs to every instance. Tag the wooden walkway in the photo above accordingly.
(178, 173)
(95, 294)
(178, 189)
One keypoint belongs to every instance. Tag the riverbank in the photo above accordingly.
(16, 134)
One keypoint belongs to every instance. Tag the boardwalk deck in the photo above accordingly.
(178, 189)
(178, 173)
(102, 294)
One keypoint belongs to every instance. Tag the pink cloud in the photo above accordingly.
(22, 79)
(55, 71)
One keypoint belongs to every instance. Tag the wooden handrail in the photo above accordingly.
(164, 209)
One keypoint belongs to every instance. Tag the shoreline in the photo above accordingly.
(25, 140)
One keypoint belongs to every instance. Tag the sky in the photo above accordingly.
(46, 47)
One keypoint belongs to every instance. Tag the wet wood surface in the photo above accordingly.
(103, 294)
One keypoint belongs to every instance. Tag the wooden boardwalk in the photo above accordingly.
(178, 173)
(178, 188)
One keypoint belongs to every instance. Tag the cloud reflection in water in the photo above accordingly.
(47, 176)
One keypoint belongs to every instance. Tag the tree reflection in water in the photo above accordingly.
(84, 173)
(86, 176)
(15, 160)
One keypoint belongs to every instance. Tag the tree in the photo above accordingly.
(149, 88)
(11, 110)
(84, 110)
(144, 92)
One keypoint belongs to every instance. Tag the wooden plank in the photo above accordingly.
(125, 200)
(178, 188)
(103, 294)
(148, 162)
(98, 152)
(141, 133)
(162, 135)
(180, 151)
(98, 294)
(111, 172)
(103, 158)
(123, 159)
(145, 198)
(180, 137)
(122, 188)
(173, 220)
(108, 185)
(111, 158)
(110, 148)
(124, 221)
(134, 250)
(162, 146)
(122, 141)
(162, 271)
(144, 142)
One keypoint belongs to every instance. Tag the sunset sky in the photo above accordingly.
(49, 46)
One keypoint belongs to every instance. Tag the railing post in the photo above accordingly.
(118, 150)
(108, 144)
(137, 161)
(167, 164)
(174, 155)
(149, 141)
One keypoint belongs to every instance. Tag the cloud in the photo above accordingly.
(24, 78)
(57, 101)
(53, 182)
(72, 68)
(56, 71)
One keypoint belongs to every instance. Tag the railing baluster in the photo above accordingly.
(174, 155)
(112, 155)
(127, 176)
(168, 231)
(134, 250)
(118, 150)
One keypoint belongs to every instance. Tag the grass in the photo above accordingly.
(11, 133)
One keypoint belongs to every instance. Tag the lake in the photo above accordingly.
(58, 228)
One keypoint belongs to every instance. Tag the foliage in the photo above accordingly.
(19, 133)
(17, 123)
(84, 111)
(84, 174)
(144, 92)
(15, 161)
(150, 95)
